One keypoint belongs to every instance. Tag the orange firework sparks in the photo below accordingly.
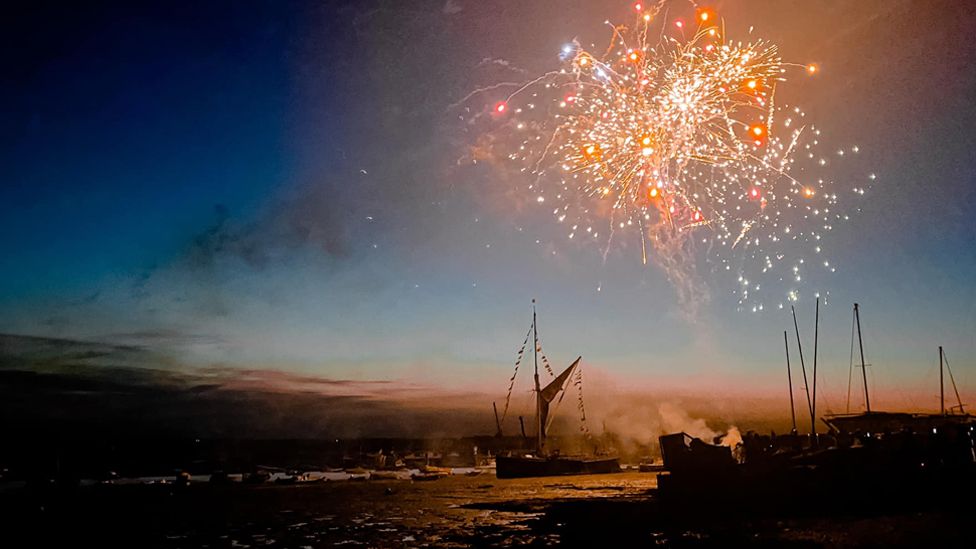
(662, 137)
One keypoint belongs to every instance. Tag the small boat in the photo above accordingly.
(646, 467)
(426, 476)
(543, 462)
(433, 469)
(388, 475)
(219, 478)
(256, 477)
(421, 460)
(554, 465)
(182, 479)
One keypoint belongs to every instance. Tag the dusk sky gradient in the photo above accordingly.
(276, 185)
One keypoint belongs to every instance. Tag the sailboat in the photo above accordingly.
(867, 459)
(873, 421)
(543, 462)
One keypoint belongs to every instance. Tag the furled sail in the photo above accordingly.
(551, 391)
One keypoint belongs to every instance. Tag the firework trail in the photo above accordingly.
(672, 133)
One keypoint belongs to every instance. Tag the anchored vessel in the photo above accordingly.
(868, 458)
(873, 421)
(541, 462)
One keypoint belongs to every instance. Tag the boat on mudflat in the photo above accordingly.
(543, 462)
(554, 465)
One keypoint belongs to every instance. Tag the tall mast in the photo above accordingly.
(860, 346)
(813, 405)
(941, 385)
(803, 366)
(789, 380)
(538, 390)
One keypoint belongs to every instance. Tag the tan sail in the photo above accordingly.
(518, 464)
(551, 391)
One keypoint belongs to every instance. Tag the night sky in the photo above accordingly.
(276, 186)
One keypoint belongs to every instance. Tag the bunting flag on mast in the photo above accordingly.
(545, 363)
(511, 381)
(545, 359)
(578, 382)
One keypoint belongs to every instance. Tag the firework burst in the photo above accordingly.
(680, 141)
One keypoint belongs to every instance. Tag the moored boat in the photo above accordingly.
(866, 459)
(543, 462)
(554, 465)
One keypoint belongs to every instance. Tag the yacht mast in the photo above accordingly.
(806, 384)
(860, 346)
(813, 405)
(538, 390)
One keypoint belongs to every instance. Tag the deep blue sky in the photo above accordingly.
(124, 125)
(274, 184)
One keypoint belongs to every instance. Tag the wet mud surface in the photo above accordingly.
(482, 511)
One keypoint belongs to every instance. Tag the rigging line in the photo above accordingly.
(872, 381)
(806, 384)
(953, 380)
(789, 380)
(545, 362)
(511, 385)
(850, 368)
(579, 387)
(545, 359)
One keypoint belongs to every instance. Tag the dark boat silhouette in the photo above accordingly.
(542, 462)
(867, 460)
(873, 421)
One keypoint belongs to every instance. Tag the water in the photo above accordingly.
(454, 511)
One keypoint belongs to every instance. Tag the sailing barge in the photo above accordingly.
(542, 462)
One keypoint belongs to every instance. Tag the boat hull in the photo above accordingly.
(894, 422)
(532, 466)
(796, 471)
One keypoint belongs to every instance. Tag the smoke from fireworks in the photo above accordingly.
(680, 141)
